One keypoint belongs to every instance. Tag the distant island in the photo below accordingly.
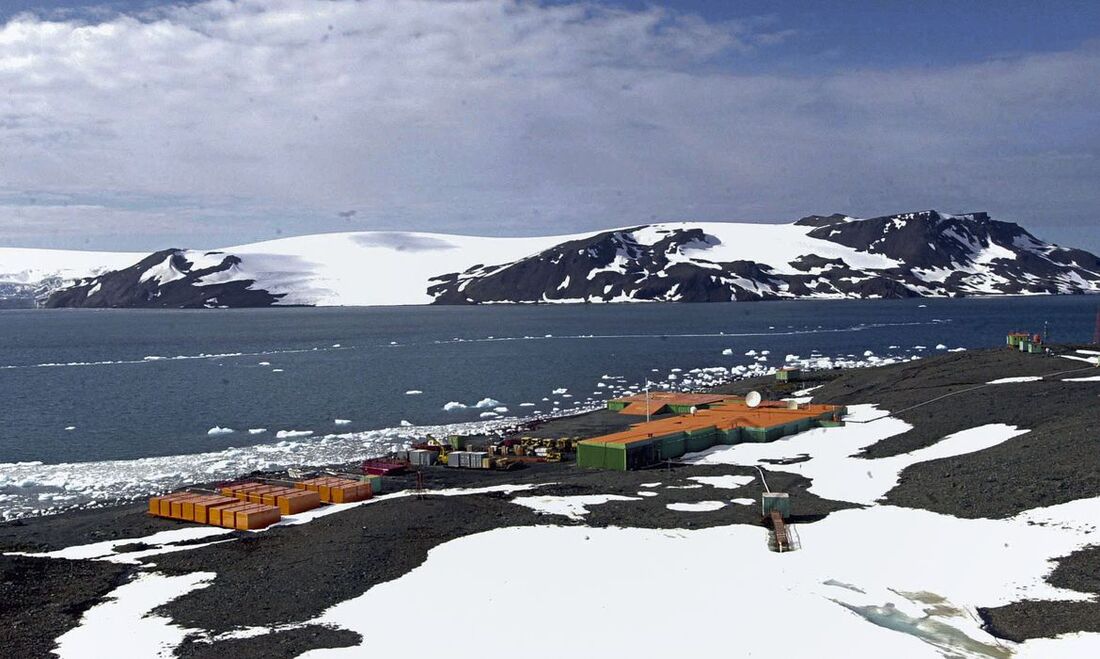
(918, 254)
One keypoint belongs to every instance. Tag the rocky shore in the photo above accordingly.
(277, 581)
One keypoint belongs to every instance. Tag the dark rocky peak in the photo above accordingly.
(822, 220)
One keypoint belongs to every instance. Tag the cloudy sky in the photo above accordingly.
(141, 125)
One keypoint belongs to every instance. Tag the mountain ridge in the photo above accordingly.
(915, 254)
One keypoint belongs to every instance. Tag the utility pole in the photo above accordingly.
(647, 395)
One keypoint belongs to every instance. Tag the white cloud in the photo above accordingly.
(511, 117)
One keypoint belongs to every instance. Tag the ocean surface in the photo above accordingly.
(99, 403)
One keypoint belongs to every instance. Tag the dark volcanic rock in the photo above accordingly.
(924, 254)
(42, 598)
(165, 279)
(1020, 621)
(898, 256)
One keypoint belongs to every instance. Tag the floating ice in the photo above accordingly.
(559, 391)
(257, 431)
(486, 402)
(454, 405)
(406, 424)
(940, 346)
(218, 430)
(500, 410)
(489, 415)
(264, 364)
(413, 392)
(70, 427)
(288, 434)
(341, 422)
(276, 370)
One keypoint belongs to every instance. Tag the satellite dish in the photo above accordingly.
(753, 399)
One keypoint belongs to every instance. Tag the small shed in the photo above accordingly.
(780, 501)
(789, 374)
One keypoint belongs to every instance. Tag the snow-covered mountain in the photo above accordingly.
(908, 255)
(30, 274)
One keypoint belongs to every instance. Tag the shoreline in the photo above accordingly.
(352, 550)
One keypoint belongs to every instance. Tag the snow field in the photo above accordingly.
(835, 473)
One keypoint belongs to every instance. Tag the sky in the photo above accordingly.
(140, 125)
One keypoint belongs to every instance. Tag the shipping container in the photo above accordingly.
(422, 457)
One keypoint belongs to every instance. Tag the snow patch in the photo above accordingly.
(573, 507)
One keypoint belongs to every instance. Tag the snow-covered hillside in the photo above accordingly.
(908, 255)
(29, 273)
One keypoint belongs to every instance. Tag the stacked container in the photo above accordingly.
(215, 510)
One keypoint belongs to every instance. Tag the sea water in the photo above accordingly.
(165, 395)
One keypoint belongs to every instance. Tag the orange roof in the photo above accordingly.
(673, 398)
(728, 414)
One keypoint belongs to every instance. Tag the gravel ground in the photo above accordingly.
(1019, 621)
(42, 598)
(291, 574)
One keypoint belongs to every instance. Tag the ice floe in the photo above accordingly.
(1022, 378)
(218, 430)
(341, 422)
(290, 434)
